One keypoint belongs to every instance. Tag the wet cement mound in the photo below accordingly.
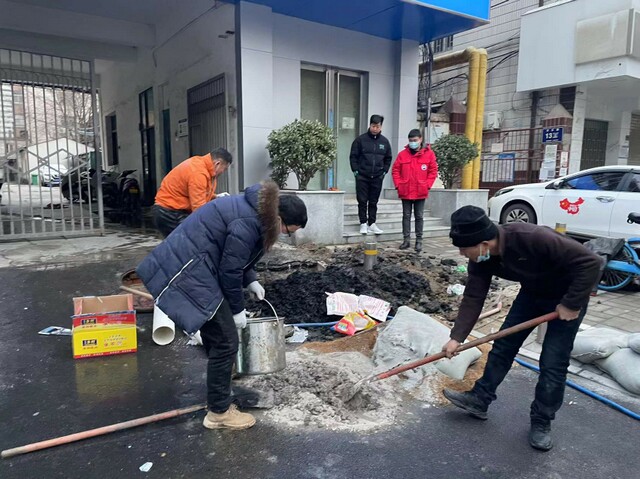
(301, 297)
(317, 390)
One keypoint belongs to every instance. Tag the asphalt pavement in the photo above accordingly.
(45, 393)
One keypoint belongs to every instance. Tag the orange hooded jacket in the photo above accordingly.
(189, 185)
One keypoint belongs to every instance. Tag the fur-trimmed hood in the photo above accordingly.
(268, 209)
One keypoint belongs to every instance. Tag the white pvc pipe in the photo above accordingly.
(164, 330)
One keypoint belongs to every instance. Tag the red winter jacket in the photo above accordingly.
(414, 174)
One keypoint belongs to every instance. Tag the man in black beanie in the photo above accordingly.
(556, 273)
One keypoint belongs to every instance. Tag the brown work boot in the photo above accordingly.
(230, 419)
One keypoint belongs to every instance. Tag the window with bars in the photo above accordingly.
(442, 45)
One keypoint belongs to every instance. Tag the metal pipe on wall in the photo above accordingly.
(482, 88)
(472, 112)
(476, 94)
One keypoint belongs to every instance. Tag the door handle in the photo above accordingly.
(605, 199)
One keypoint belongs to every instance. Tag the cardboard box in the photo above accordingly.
(103, 325)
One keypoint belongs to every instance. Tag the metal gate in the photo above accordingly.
(594, 144)
(48, 155)
(510, 157)
(208, 121)
(634, 141)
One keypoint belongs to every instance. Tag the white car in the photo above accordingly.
(50, 175)
(593, 202)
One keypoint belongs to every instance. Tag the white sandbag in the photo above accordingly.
(412, 335)
(597, 343)
(624, 367)
(634, 342)
(457, 366)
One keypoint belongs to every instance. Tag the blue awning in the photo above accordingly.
(419, 20)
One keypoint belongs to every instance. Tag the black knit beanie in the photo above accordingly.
(471, 226)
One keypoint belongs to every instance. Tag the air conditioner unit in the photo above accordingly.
(492, 120)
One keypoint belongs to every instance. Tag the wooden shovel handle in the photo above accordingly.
(532, 323)
(135, 291)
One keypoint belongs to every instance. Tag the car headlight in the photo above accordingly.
(503, 191)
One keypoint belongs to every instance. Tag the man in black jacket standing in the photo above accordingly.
(370, 160)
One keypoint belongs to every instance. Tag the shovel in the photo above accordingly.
(532, 323)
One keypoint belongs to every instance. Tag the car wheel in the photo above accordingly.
(518, 213)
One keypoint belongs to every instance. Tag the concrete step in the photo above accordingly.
(392, 215)
(392, 206)
(395, 235)
(390, 224)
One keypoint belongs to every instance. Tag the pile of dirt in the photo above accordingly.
(301, 298)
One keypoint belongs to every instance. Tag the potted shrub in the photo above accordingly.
(304, 148)
(453, 152)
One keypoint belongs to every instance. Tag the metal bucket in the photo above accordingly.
(262, 347)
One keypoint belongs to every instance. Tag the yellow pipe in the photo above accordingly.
(472, 114)
(450, 59)
(482, 87)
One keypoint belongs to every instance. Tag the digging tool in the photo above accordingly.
(532, 323)
(135, 291)
(36, 446)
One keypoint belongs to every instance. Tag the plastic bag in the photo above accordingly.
(455, 290)
(351, 323)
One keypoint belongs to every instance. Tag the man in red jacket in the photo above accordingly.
(414, 172)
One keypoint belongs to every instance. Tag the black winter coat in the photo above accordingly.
(211, 255)
(370, 155)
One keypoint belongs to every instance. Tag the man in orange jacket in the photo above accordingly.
(414, 172)
(187, 187)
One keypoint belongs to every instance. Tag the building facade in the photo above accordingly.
(540, 80)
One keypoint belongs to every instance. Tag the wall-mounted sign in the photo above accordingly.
(183, 127)
(348, 123)
(552, 135)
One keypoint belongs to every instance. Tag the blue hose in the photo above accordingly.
(588, 392)
(313, 325)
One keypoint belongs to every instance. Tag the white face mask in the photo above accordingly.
(414, 145)
(484, 257)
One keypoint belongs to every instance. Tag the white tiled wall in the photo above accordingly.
(501, 39)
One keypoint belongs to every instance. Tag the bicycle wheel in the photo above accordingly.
(614, 280)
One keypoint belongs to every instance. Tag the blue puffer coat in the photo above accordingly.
(211, 255)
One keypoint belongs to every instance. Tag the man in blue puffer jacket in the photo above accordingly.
(197, 275)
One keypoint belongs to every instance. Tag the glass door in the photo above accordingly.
(313, 106)
(333, 97)
(347, 126)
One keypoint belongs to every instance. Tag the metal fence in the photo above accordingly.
(510, 157)
(48, 154)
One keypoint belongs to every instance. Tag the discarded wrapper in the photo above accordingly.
(299, 335)
(55, 331)
(351, 323)
(455, 290)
